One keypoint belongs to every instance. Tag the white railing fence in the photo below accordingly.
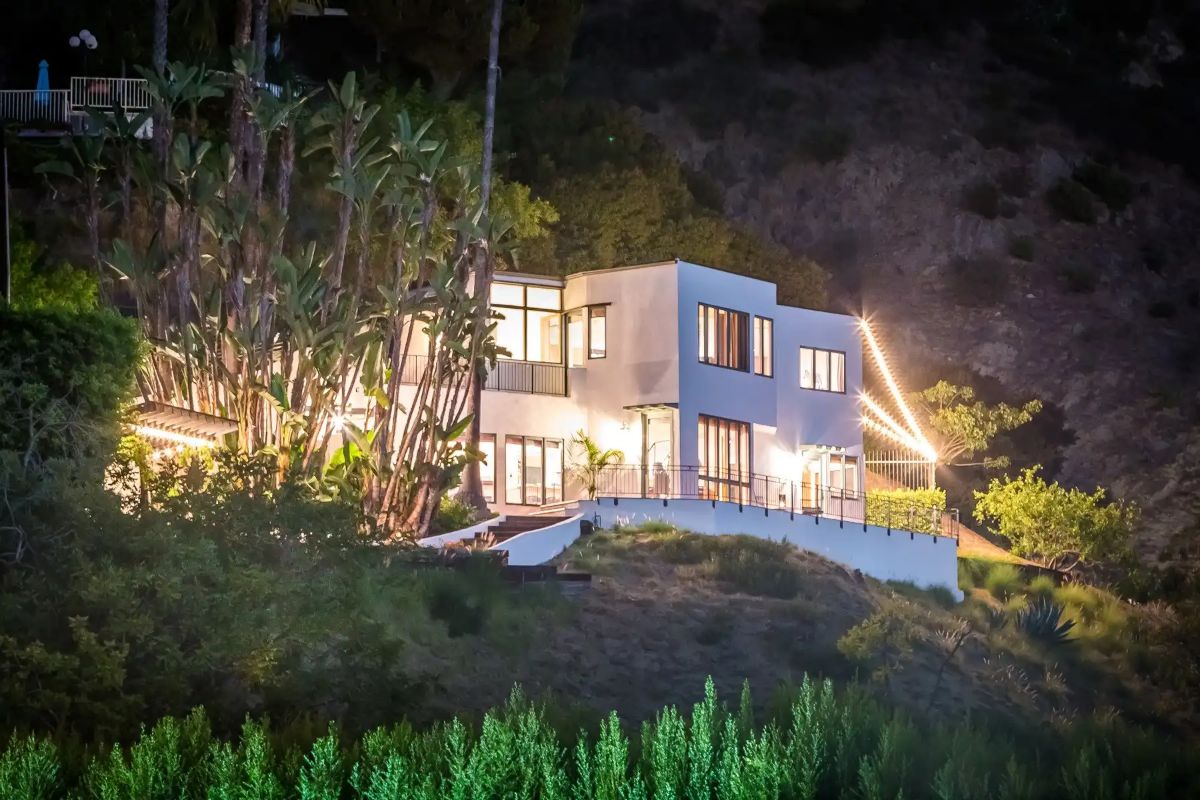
(902, 468)
(132, 94)
(31, 105)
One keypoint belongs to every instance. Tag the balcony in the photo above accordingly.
(43, 110)
(526, 377)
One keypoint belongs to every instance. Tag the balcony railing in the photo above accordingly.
(774, 494)
(528, 377)
(131, 94)
(51, 108)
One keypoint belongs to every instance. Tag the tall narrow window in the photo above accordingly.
(534, 472)
(554, 471)
(597, 331)
(514, 469)
(576, 337)
(487, 469)
(723, 336)
(724, 449)
(764, 347)
(823, 370)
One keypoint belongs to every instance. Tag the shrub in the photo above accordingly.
(1046, 519)
(979, 281)
(1071, 202)
(1021, 247)
(453, 515)
(1002, 581)
(1113, 188)
(918, 510)
(1042, 620)
(64, 377)
(882, 640)
(982, 198)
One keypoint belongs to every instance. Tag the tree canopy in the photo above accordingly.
(964, 426)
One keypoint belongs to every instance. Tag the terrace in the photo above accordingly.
(50, 112)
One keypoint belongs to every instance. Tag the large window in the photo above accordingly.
(530, 321)
(533, 469)
(724, 336)
(822, 370)
(724, 449)
(764, 347)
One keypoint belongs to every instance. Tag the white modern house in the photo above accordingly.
(735, 414)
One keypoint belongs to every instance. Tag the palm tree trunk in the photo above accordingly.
(472, 491)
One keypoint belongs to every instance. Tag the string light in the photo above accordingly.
(150, 432)
(913, 437)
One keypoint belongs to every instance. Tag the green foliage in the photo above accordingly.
(589, 460)
(918, 510)
(1021, 247)
(64, 379)
(964, 426)
(820, 743)
(1046, 519)
(41, 287)
(983, 198)
(1072, 202)
(882, 641)
(1113, 188)
(743, 564)
(1042, 620)
(453, 515)
(1002, 581)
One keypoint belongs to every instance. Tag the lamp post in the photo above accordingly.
(86, 40)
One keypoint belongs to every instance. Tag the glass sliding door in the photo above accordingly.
(533, 468)
(533, 472)
(514, 470)
(724, 448)
(554, 471)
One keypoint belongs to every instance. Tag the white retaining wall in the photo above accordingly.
(540, 545)
(457, 536)
(926, 561)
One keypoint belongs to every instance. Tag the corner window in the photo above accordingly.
(822, 370)
(533, 469)
(529, 322)
(723, 336)
(764, 347)
(597, 331)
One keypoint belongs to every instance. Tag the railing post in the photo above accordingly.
(792, 501)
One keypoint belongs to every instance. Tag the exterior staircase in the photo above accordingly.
(512, 525)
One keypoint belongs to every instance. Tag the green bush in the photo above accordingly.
(453, 515)
(1002, 581)
(1049, 520)
(64, 379)
(1021, 247)
(982, 198)
(1114, 189)
(1042, 620)
(1072, 202)
(918, 510)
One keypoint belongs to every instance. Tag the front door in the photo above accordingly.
(658, 454)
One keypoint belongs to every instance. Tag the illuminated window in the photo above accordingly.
(822, 370)
(529, 324)
(576, 337)
(764, 347)
(723, 336)
(724, 449)
(597, 331)
(487, 468)
(533, 469)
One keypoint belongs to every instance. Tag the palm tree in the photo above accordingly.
(591, 461)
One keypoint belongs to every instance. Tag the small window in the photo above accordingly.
(541, 297)
(597, 332)
(764, 347)
(822, 370)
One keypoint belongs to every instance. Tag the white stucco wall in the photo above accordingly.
(539, 546)
(926, 561)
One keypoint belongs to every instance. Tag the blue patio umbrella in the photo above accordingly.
(41, 94)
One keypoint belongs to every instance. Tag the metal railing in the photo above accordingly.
(528, 377)
(51, 107)
(750, 489)
(131, 94)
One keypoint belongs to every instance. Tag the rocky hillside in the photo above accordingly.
(954, 204)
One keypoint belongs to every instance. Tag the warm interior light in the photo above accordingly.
(150, 432)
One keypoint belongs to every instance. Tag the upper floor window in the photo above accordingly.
(587, 334)
(597, 331)
(723, 336)
(529, 326)
(764, 347)
(823, 370)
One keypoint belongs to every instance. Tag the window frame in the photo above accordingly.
(525, 308)
(724, 488)
(590, 316)
(490, 463)
(732, 314)
(759, 326)
(829, 353)
(522, 478)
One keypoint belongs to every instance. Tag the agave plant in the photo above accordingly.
(1042, 620)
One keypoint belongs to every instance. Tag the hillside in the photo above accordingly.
(927, 175)
(666, 609)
